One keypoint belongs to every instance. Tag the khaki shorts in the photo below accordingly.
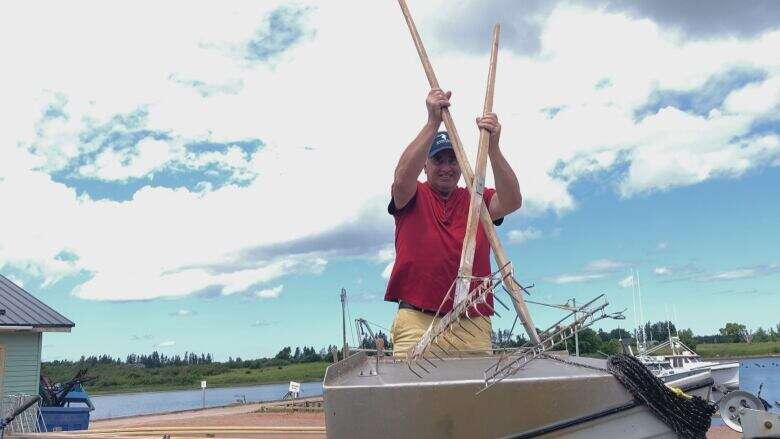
(410, 325)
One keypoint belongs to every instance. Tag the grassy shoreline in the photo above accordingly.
(153, 389)
(733, 351)
(116, 379)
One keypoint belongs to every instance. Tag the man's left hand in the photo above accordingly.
(490, 123)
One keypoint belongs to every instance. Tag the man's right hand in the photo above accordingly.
(436, 100)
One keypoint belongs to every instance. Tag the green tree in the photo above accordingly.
(284, 354)
(590, 342)
(619, 333)
(686, 336)
(760, 335)
(611, 347)
(733, 331)
(774, 335)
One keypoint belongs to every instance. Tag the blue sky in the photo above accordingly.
(219, 199)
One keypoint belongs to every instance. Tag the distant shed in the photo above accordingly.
(23, 320)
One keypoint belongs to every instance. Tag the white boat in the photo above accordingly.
(684, 360)
(663, 368)
(678, 360)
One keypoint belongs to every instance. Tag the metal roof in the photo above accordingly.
(23, 309)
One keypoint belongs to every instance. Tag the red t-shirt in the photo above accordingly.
(429, 232)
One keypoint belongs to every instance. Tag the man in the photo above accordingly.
(430, 221)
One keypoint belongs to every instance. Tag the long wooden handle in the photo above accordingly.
(476, 204)
(468, 176)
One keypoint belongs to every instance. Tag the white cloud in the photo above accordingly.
(662, 271)
(165, 344)
(662, 246)
(626, 282)
(386, 254)
(388, 270)
(604, 265)
(270, 293)
(576, 278)
(593, 270)
(755, 99)
(518, 236)
(15, 280)
(734, 274)
(183, 313)
(146, 247)
(148, 156)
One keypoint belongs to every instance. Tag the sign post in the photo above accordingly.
(203, 388)
(295, 389)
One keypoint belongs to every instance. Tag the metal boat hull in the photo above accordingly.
(726, 375)
(547, 398)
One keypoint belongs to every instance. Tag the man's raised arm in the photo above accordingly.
(413, 159)
(507, 186)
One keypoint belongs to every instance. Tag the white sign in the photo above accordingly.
(202, 384)
(295, 387)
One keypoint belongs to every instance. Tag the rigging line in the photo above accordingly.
(513, 326)
(551, 305)
(511, 331)
(378, 325)
(351, 326)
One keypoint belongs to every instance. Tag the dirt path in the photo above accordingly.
(245, 415)
(722, 432)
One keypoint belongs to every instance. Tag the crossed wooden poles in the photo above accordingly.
(476, 184)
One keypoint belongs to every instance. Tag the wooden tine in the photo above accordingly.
(468, 176)
(463, 285)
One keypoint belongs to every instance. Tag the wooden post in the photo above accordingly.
(468, 176)
(466, 268)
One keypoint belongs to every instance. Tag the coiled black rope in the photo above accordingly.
(689, 418)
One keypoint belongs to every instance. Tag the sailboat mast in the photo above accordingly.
(345, 353)
(669, 329)
(641, 308)
(636, 318)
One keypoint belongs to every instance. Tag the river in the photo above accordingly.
(129, 404)
(756, 371)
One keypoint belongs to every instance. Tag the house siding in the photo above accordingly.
(22, 366)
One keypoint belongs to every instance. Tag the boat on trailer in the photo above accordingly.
(552, 396)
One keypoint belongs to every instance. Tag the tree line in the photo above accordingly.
(601, 342)
(591, 342)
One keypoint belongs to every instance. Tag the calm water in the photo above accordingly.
(755, 371)
(752, 373)
(128, 404)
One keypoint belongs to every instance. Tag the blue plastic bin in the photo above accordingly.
(68, 418)
(65, 418)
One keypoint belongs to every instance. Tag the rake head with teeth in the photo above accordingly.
(580, 318)
(437, 340)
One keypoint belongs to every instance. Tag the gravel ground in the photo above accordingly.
(722, 432)
(232, 416)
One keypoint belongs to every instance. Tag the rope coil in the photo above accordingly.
(689, 418)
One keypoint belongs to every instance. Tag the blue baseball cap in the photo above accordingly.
(440, 142)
